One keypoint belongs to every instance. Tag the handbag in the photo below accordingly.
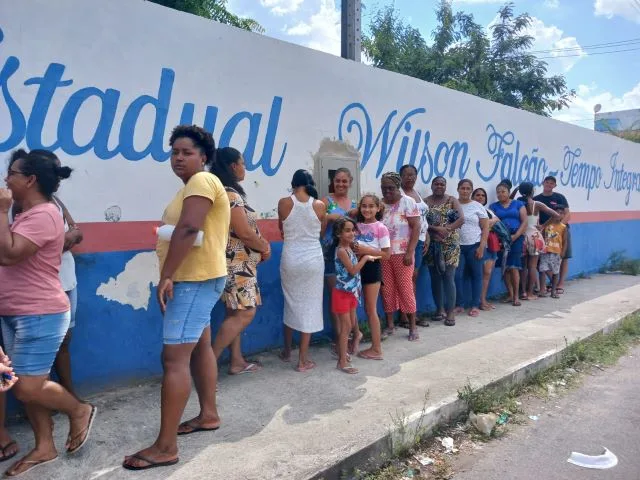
(493, 242)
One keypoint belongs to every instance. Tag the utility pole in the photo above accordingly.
(350, 29)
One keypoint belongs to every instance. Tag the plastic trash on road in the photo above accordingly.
(424, 460)
(600, 462)
(447, 443)
(534, 417)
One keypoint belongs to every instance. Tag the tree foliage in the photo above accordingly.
(214, 10)
(497, 66)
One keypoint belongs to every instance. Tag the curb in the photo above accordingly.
(377, 453)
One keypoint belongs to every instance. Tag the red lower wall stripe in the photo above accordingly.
(127, 236)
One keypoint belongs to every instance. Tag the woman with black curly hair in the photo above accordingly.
(192, 280)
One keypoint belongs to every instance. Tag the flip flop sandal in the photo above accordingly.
(349, 370)
(473, 313)
(450, 322)
(389, 331)
(307, 366)
(516, 304)
(335, 355)
(507, 300)
(366, 356)
(151, 463)
(524, 297)
(86, 432)
(559, 290)
(194, 429)
(438, 317)
(414, 335)
(423, 322)
(555, 296)
(33, 463)
(251, 367)
(6, 457)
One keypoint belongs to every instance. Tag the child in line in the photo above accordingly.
(555, 236)
(346, 294)
(372, 239)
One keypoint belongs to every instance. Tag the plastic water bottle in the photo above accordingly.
(165, 231)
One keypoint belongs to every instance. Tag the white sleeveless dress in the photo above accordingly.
(302, 268)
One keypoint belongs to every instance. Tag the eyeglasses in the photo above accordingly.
(12, 172)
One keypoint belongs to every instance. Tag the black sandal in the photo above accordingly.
(3, 449)
(151, 463)
(450, 322)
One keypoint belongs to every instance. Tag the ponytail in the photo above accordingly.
(311, 191)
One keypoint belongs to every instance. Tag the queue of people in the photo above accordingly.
(361, 250)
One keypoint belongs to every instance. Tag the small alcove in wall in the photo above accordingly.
(331, 156)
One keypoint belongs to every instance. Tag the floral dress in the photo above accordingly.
(441, 216)
(241, 290)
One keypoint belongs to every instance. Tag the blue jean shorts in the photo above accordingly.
(489, 256)
(514, 259)
(189, 312)
(32, 341)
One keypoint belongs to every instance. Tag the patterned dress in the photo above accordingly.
(344, 280)
(441, 216)
(241, 290)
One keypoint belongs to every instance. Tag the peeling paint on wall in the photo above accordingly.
(133, 285)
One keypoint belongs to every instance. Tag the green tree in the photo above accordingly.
(214, 10)
(498, 67)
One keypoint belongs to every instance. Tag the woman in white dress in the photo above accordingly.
(302, 220)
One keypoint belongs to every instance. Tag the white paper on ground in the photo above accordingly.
(600, 462)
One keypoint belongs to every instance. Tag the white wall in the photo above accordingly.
(119, 48)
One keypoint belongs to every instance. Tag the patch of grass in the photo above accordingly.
(601, 349)
(619, 262)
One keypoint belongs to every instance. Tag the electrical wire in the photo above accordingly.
(621, 43)
(588, 54)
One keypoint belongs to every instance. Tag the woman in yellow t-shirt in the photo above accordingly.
(192, 279)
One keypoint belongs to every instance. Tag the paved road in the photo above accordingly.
(605, 411)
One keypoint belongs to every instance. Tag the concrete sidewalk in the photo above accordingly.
(282, 424)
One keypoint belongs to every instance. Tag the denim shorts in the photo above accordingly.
(514, 259)
(489, 255)
(73, 301)
(189, 312)
(418, 259)
(32, 341)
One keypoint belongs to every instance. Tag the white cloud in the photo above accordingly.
(551, 3)
(552, 38)
(587, 96)
(281, 7)
(322, 28)
(629, 9)
(302, 29)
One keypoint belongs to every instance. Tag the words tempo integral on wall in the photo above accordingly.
(45, 99)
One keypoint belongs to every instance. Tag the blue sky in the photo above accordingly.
(611, 79)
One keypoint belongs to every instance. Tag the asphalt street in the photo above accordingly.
(603, 412)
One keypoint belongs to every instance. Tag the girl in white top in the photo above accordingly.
(534, 242)
(373, 239)
(302, 219)
(473, 242)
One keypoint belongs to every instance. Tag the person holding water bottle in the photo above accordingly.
(191, 282)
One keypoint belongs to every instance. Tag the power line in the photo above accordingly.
(622, 43)
(587, 54)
